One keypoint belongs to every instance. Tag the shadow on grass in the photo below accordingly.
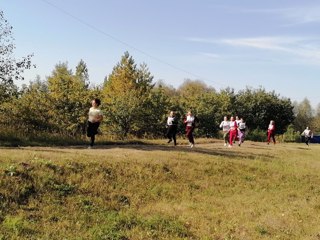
(207, 149)
(199, 149)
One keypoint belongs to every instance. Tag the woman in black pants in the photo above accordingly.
(172, 128)
(94, 120)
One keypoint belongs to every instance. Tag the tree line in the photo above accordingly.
(133, 104)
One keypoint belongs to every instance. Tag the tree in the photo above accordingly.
(303, 115)
(82, 73)
(190, 92)
(70, 98)
(258, 107)
(11, 69)
(125, 94)
(32, 112)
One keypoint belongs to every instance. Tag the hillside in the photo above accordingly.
(157, 191)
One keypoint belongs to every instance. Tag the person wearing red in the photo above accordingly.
(233, 131)
(271, 132)
(189, 121)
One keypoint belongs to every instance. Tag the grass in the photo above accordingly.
(157, 191)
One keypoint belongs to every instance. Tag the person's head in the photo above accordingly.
(272, 122)
(231, 118)
(189, 113)
(96, 102)
(237, 118)
(241, 120)
(307, 128)
(171, 113)
(225, 118)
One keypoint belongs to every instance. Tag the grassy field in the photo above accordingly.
(158, 191)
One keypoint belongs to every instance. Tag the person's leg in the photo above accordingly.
(191, 136)
(169, 134)
(273, 139)
(225, 137)
(174, 133)
(269, 137)
(231, 137)
(92, 138)
(93, 131)
(240, 134)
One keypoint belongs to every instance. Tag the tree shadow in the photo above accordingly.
(205, 149)
(224, 152)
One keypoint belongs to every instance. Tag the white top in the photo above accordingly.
(190, 120)
(170, 121)
(271, 127)
(233, 125)
(94, 114)
(242, 125)
(225, 125)
(307, 133)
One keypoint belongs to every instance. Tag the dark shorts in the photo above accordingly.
(92, 128)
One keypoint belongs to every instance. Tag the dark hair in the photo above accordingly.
(97, 100)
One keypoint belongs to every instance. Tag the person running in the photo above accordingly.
(94, 119)
(225, 125)
(189, 121)
(271, 132)
(172, 124)
(241, 131)
(307, 133)
(237, 136)
(233, 131)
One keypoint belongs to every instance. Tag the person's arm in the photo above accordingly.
(186, 120)
(99, 117)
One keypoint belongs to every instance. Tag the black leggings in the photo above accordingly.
(171, 133)
(92, 130)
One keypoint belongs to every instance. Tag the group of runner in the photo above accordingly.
(233, 129)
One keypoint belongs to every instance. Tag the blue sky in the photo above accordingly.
(232, 43)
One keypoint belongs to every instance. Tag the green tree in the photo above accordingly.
(32, 112)
(70, 98)
(82, 73)
(125, 94)
(315, 125)
(11, 69)
(303, 115)
(258, 107)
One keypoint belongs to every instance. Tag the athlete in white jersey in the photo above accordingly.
(225, 125)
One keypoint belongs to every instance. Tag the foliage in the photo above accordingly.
(69, 98)
(11, 69)
(258, 107)
(128, 99)
(133, 105)
(303, 115)
(291, 135)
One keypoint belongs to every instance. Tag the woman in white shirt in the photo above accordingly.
(225, 125)
(241, 131)
(307, 133)
(94, 119)
(172, 128)
(189, 121)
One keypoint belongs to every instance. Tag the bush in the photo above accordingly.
(257, 135)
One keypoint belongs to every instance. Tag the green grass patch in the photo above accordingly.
(156, 191)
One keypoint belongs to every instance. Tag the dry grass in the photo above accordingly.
(157, 191)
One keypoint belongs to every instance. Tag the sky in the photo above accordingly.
(232, 43)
